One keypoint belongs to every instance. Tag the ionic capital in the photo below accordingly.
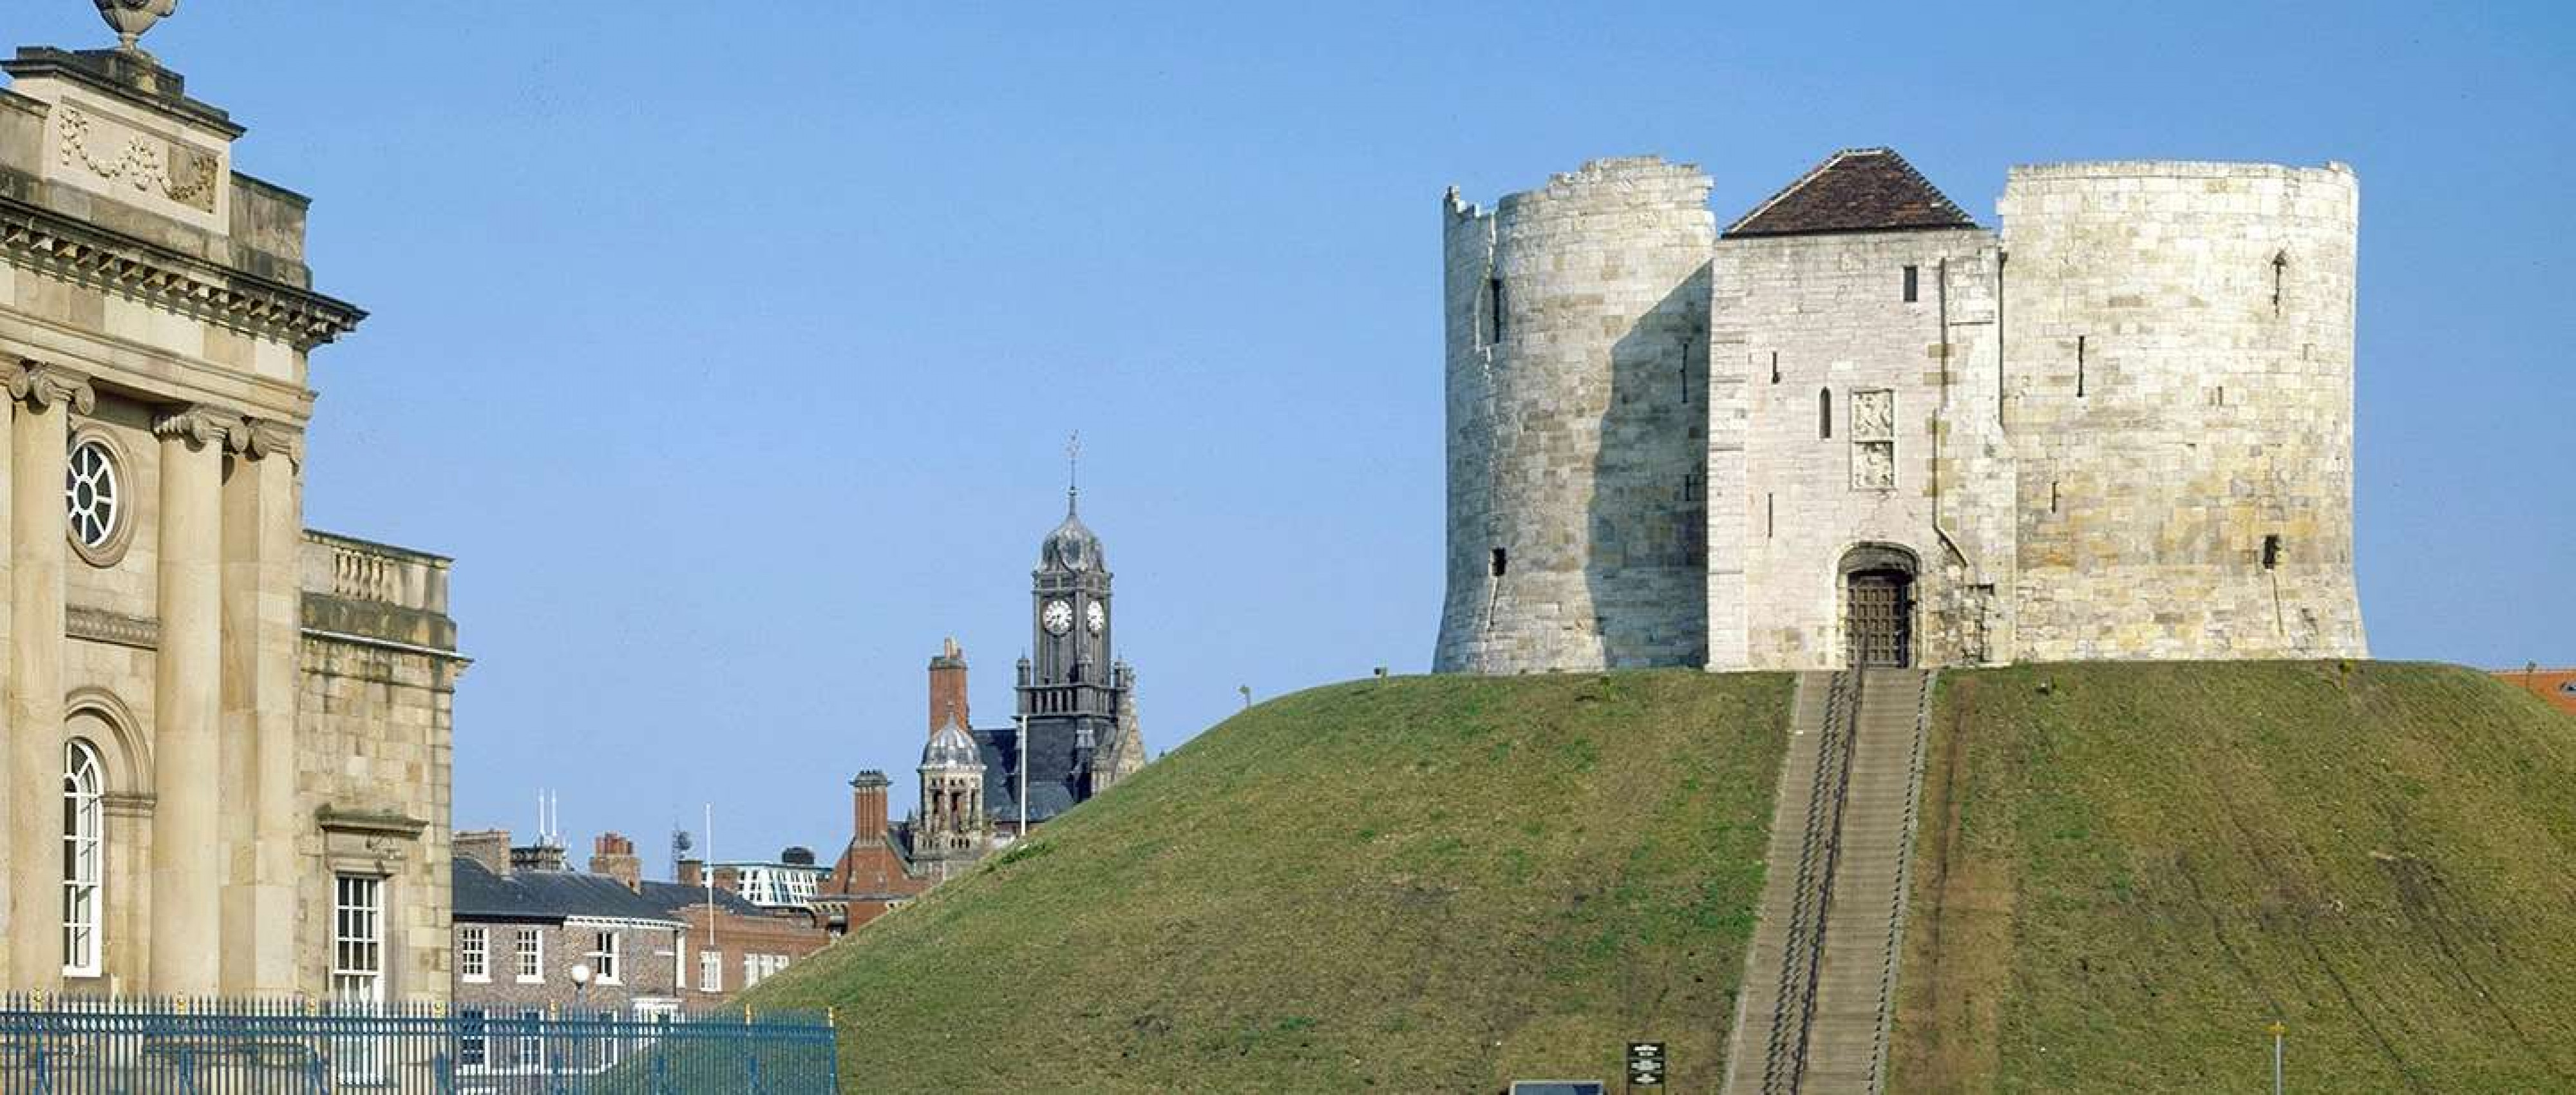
(40, 386)
(199, 425)
(261, 438)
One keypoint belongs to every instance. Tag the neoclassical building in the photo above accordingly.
(227, 737)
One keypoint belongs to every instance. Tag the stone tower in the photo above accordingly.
(2180, 368)
(1577, 341)
(1859, 428)
(1072, 691)
(952, 793)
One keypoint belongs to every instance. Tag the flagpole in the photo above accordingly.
(709, 876)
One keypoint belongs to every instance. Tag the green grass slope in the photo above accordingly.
(2126, 872)
(1416, 884)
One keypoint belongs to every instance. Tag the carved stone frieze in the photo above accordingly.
(103, 626)
(1873, 415)
(145, 163)
(1874, 465)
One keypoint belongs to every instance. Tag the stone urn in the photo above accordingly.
(132, 17)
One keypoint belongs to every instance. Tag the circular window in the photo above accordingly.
(94, 500)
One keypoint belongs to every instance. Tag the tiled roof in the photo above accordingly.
(551, 896)
(1854, 190)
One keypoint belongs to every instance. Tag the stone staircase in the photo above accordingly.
(1820, 980)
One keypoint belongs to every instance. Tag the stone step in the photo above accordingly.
(1866, 847)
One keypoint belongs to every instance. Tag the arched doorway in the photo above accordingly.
(1878, 606)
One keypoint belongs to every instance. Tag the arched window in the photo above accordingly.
(84, 852)
(1825, 413)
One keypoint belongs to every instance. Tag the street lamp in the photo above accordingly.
(580, 981)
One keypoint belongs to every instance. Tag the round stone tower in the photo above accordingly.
(2178, 386)
(1577, 377)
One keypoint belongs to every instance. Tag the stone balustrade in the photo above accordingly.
(371, 590)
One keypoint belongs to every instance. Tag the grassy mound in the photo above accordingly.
(2126, 872)
(1417, 884)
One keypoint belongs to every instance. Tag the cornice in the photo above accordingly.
(88, 255)
(333, 819)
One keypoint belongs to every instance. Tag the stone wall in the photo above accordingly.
(1829, 434)
(2179, 369)
(1577, 351)
(255, 736)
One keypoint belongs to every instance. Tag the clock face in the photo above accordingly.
(1058, 617)
(1095, 617)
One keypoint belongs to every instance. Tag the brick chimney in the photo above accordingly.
(693, 873)
(614, 855)
(948, 686)
(489, 847)
(868, 808)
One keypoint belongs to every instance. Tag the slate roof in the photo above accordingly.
(671, 897)
(1047, 797)
(1854, 190)
(543, 896)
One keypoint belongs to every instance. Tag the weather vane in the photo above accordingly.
(131, 18)
(1073, 463)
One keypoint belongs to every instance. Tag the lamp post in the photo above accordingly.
(1023, 833)
(580, 982)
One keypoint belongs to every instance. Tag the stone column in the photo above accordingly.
(45, 397)
(187, 913)
(262, 519)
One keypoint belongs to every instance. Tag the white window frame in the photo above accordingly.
(529, 1051)
(84, 860)
(358, 945)
(528, 952)
(473, 1050)
(474, 953)
(710, 971)
(608, 954)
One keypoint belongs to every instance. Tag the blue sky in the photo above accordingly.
(731, 348)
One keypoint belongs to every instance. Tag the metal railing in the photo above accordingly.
(71, 1045)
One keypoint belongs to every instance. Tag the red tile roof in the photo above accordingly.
(1854, 190)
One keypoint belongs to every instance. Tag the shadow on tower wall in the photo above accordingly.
(1648, 561)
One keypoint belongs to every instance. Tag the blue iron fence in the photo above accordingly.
(74, 1045)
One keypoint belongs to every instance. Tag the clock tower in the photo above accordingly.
(1077, 697)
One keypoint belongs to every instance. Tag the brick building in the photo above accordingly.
(2557, 686)
(872, 875)
(733, 943)
(524, 921)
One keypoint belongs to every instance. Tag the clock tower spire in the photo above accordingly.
(1073, 690)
